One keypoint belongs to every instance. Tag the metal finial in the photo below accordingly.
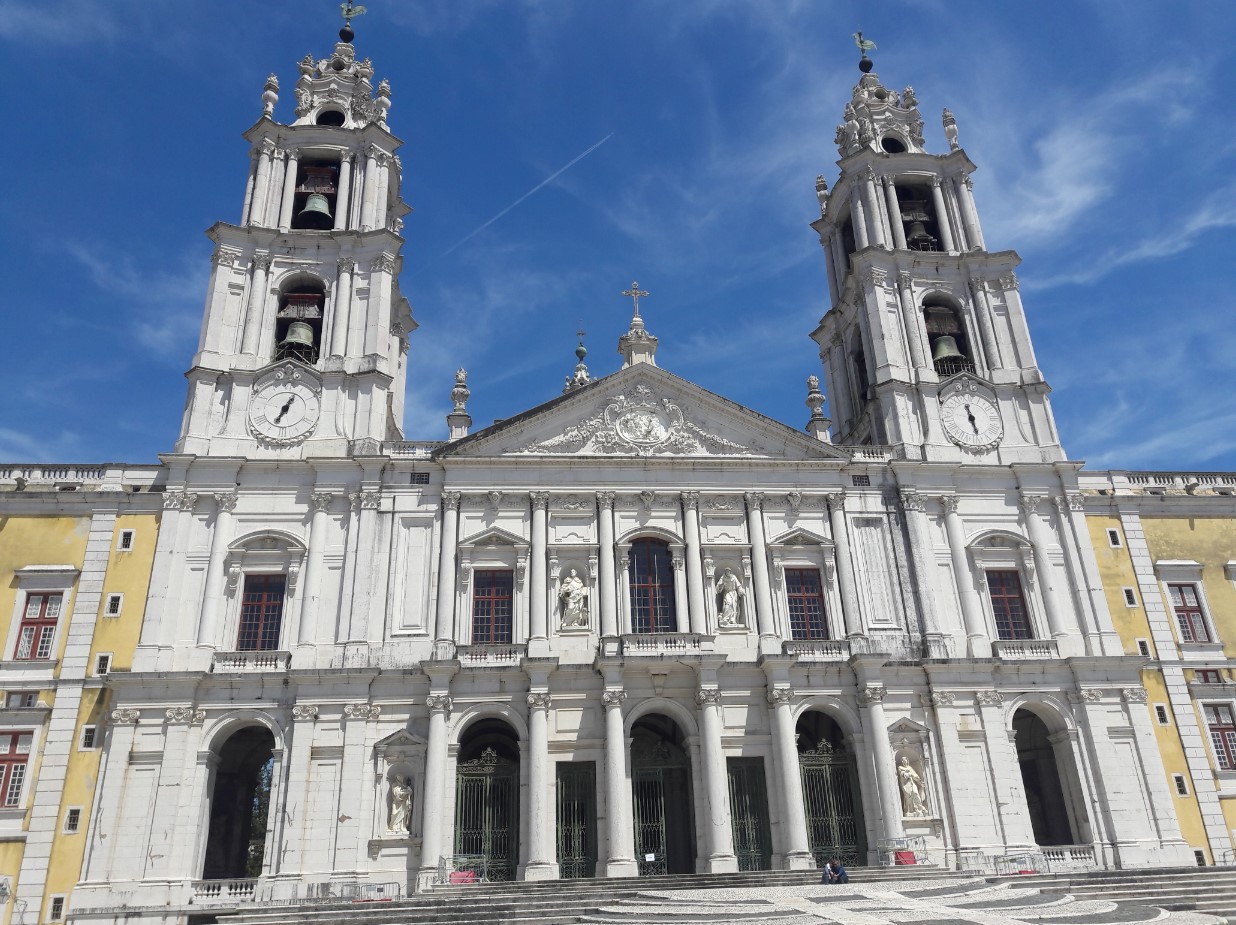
(349, 9)
(635, 294)
(581, 351)
(864, 45)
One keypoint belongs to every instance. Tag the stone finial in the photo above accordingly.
(459, 421)
(580, 377)
(637, 345)
(950, 130)
(819, 424)
(821, 193)
(270, 96)
(908, 99)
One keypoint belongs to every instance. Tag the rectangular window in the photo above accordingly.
(1143, 647)
(860, 481)
(653, 608)
(1208, 676)
(73, 819)
(1130, 597)
(1182, 786)
(14, 753)
(806, 602)
(1008, 604)
(38, 626)
(1113, 537)
(1189, 618)
(114, 602)
(1160, 714)
(21, 700)
(420, 478)
(1200, 858)
(125, 541)
(102, 663)
(261, 613)
(1222, 728)
(55, 909)
(90, 735)
(493, 592)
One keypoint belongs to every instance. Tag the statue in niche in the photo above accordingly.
(401, 805)
(913, 795)
(574, 597)
(729, 596)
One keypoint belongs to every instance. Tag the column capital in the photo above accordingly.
(941, 698)
(606, 500)
(911, 500)
(754, 499)
(539, 700)
(304, 711)
(450, 500)
(613, 698)
(321, 500)
(539, 500)
(185, 715)
(1134, 694)
(345, 264)
(990, 698)
(260, 262)
(438, 703)
(691, 500)
(949, 503)
(383, 263)
(874, 693)
(367, 500)
(779, 695)
(708, 696)
(1029, 503)
(933, 182)
(904, 279)
(835, 499)
(365, 711)
(225, 501)
(125, 717)
(1086, 695)
(968, 182)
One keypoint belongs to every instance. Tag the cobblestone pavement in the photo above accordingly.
(935, 902)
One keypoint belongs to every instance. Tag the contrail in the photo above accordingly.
(553, 176)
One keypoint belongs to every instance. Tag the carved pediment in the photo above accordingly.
(800, 537)
(495, 536)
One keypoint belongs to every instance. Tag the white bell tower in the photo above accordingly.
(304, 337)
(925, 346)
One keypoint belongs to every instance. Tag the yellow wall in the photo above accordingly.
(1210, 542)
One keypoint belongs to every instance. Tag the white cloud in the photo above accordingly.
(59, 22)
(26, 447)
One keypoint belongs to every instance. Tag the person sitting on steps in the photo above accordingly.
(834, 872)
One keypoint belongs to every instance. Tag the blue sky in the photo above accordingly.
(1102, 131)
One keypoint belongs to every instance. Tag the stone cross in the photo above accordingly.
(635, 294)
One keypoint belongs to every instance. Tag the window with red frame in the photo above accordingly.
(492, 605)
(806, 602)
(1189, 616)
(653, 609)
(261, 612)
(1008, 604)
(38, 626)
(1222, 728)
(14, 755)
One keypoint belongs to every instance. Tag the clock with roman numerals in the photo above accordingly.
(285, 407)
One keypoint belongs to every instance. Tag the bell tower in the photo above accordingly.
(925, 345)
(304, 337)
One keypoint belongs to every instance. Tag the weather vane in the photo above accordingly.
(864, 45)
(348, 11)
(635, 294)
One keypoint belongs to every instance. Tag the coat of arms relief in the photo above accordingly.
(643, 424)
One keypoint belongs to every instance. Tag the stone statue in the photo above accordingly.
(729, 592)
(821, 193)
(950, 130)
(913, 796)
(401, 806)
(574, 598)
(851, 130)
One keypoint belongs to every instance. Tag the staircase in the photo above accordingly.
(1209, 890)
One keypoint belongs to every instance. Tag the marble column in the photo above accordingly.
(542, 863)
(369, 198)
(858, 218)
(368, 504)
(310, 594)
(444, 625)
(916, 333)
(1076, 574)
(922, 552)
(894, 212)
(875, 221)
(720, 831)
(289, 190)
(695, 575)
(978, 640)
(345, 189)
(381, 204)
(872, 698)
(607, 579)
(254, 158)
(621, 861)
(965, 202)
(793, 810)
(439, 706)
(759, 564)
(342, 312)
(538, 591)
(216, 572)
(261, 187)
(1039, 541)
(982, 309)
(850, 615)
(255, 307)
(834, 282)
(1106, 641)
(942, 217)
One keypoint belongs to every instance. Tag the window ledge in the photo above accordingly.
(1204, 651)
(1200, 690)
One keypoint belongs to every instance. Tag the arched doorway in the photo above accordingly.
(240, 806)
(661, 797)
(487, 801)
(831, 796)
(1046, 798)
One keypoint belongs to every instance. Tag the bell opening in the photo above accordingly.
(892, 145)
(918, 217)
(298, 324)
(317, 188)
(332, 117)
(946, 336)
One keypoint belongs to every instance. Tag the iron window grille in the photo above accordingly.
(493, 593)
(1008, 604)
(805, 598)
(653, 608)
(261, 613)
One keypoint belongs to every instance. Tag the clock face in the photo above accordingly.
(971, 420)
(284, 409)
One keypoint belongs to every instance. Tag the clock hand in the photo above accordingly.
(970, 415)
(287, 405)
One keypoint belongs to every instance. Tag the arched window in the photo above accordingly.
(298, 321)
(946, 336)
(652, 587)
(240, 806)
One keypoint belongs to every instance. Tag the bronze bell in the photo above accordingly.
(316, 214)
(299, 334)
(945, 346)
(918, 238)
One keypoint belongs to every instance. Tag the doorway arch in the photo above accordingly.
(240, 805)
(487, 801)
(661, 797)
(832, 799)
(1048, 776)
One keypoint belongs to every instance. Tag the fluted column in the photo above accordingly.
(439, 706)
(978, 640)
(345, 190)
(537, 617)
(289, 189)
(759, 564)
(542, 862)
(621, 861)
(695, 575)
(369, 197)
(720, 832)
(793, 811)
(261, 187)
(1056, 624)
(306, 633)
(942, 217)
(342, 308)
(872, 698)
(894, 212)
(915, 332)
(255, 306)
(845, 566)
(873, 211)
(608, 580)
(208, 624)
(982, 308)
(858, 218)
(969, 216)
(444, 625)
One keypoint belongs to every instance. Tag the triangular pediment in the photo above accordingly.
(800, 537)
(399, 739)
(642, 411)
(495, 536)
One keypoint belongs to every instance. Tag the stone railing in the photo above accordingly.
(817, 650)
(489, 656)
(657, 645)
(70, 477)
(1069, 857)
(410, 449)
(224, 892)
(230, 662)
(1020, 650)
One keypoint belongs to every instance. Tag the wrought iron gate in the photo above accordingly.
(487, 816)
(749, 813)
(831, 798)
(661, 798)
(577, 817)
(648, 798)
